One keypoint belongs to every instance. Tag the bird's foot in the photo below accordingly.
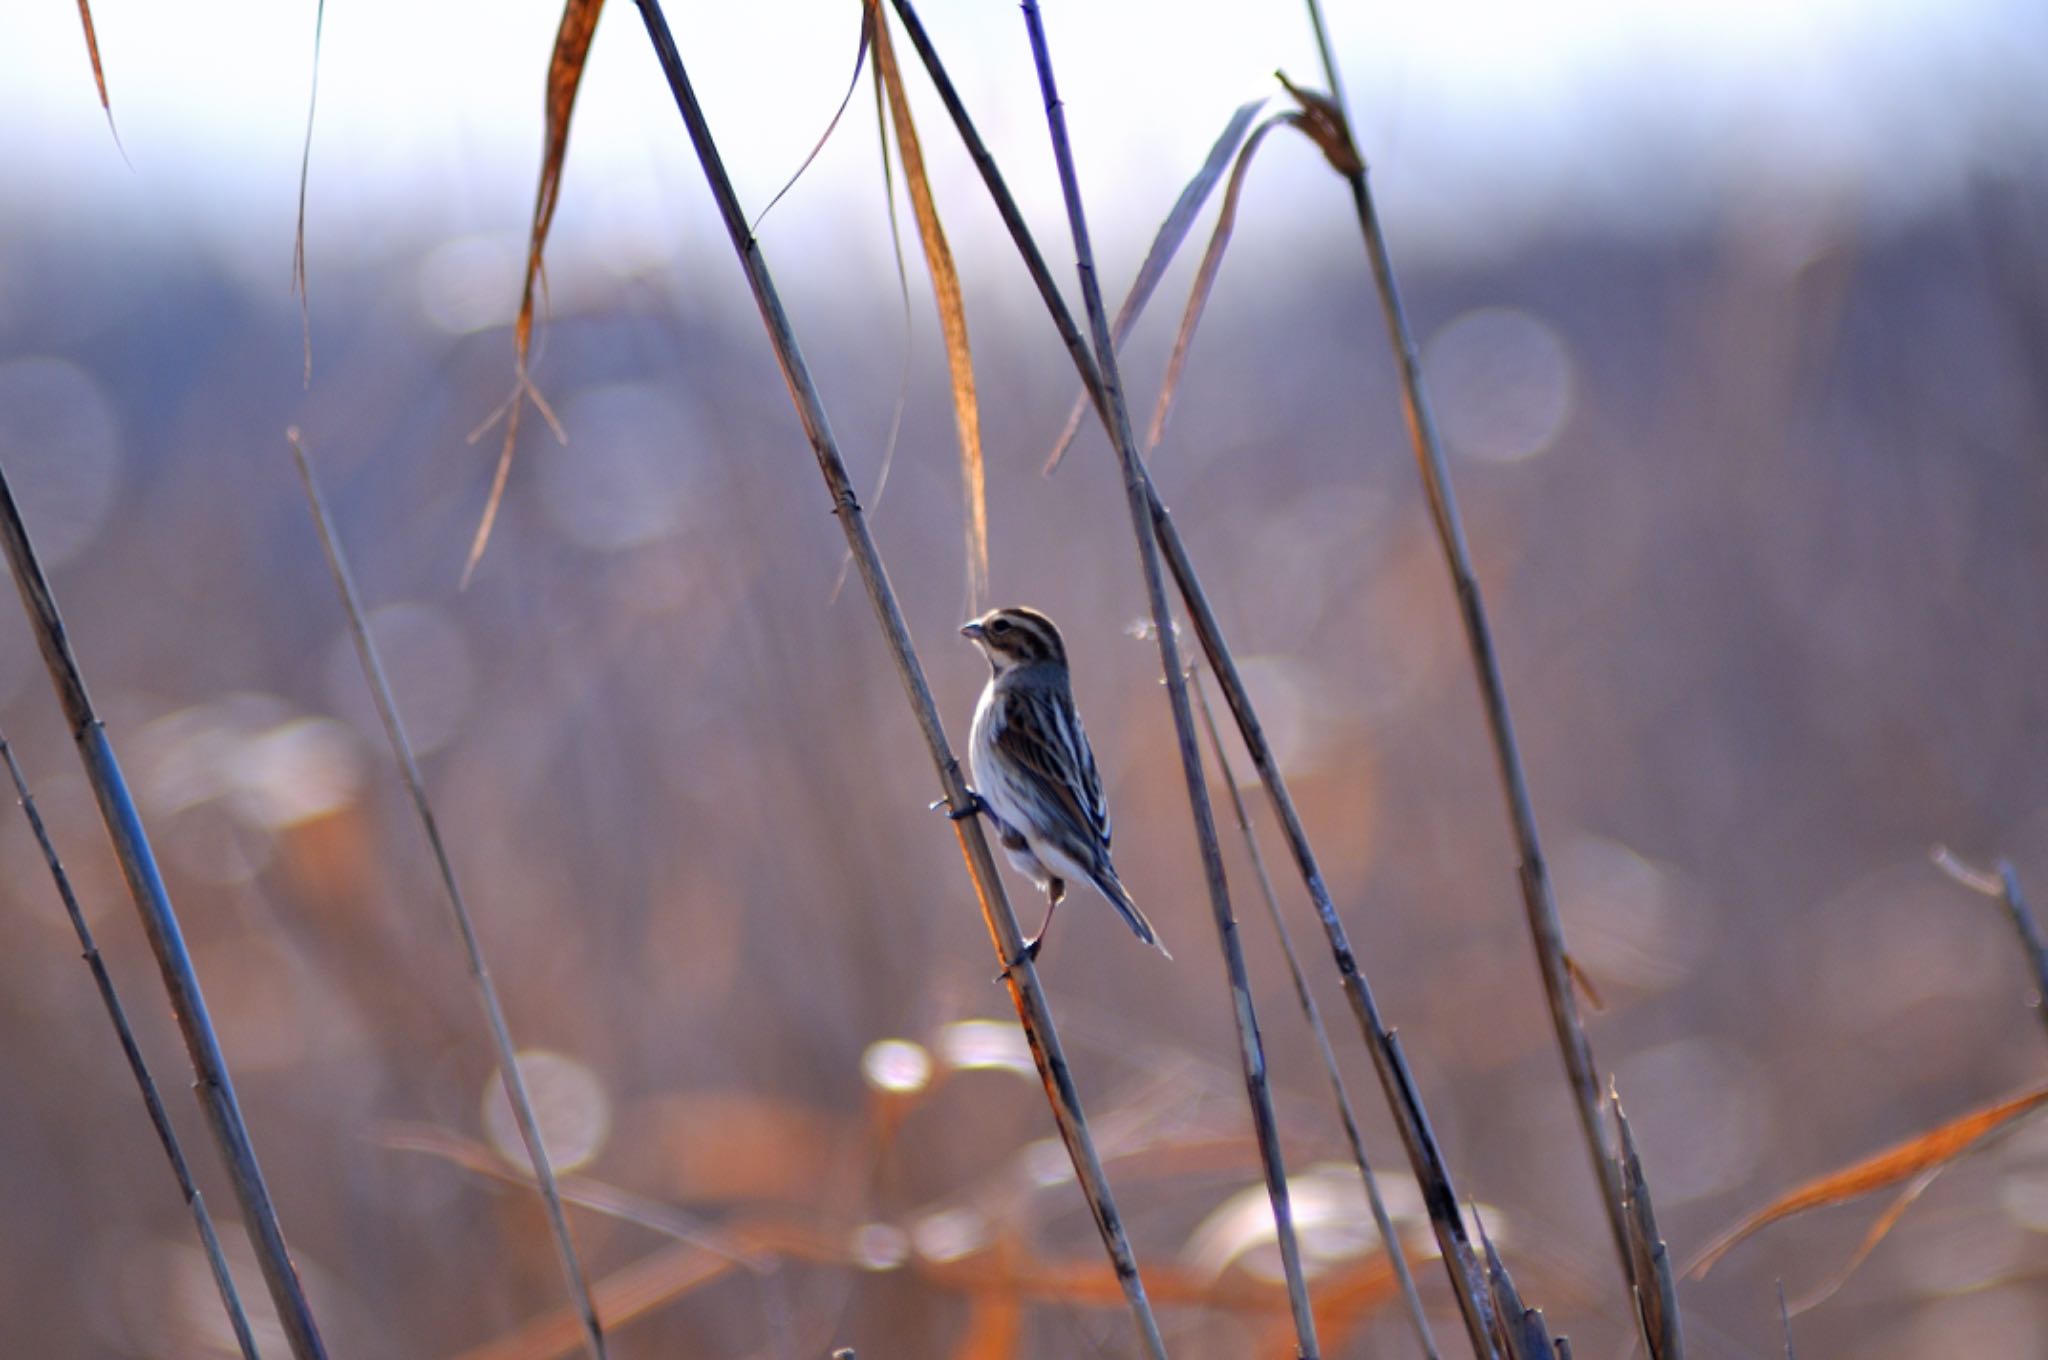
(976, 805)
(1029, 954)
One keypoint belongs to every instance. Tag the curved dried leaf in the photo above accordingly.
(1327, 127)
(565, 78)
(1205, 276)
(1165, 243)
(860, 57)
(1896, 1164)
(952, 310)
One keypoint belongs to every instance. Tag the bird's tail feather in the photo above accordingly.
(1112, 888)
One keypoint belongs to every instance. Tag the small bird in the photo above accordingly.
(1033, 772)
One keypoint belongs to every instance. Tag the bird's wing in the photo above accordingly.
(1040, 734)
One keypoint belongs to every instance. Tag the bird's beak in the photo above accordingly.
(971, 629)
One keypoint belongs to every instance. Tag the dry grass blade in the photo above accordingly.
(1656, 1301)
(611, 1201)
(860, 58)
(99, 75)
(2003, 886)
(1205, 276)
(1034, 1013)
(565, 78)
(123, 821)
(152, 1102)
(1137, 495)
(487, 990)
(938, 258)
(305, 174)
(1895, 1165)
(1165, 243)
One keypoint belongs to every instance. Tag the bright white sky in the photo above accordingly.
(1485, 119)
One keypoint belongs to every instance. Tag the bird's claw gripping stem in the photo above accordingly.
(975, 807)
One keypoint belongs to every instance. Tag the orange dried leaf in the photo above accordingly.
(565, 78)
(952, 309)
(1894, 1165)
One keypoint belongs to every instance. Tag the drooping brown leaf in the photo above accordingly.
(565, 78)
(1165, 243)
(1901, 1163)
(1205, 275)
(1327, 127)
(860, 58)
(305, 173)
(952, 309)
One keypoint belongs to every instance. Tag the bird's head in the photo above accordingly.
(1015, 637)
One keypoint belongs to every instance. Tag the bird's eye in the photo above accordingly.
(1000, 626)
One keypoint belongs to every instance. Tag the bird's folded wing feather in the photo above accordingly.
(1041, 735)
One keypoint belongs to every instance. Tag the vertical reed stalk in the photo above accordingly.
(1251, 1050)
(1432, 1173)
(1033, 1011)
(166, 937)
(479, 971)
(1538, 900)
(159, 1120)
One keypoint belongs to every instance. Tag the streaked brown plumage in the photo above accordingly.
(1033, 768)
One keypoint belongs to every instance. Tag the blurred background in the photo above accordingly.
(1737, 320)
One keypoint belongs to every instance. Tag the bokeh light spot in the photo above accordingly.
(470, 283)
(896, 1066)
(569, 1103)
(426, 661)
(1502, 380)
(61, 446)
(880, 1246)
(971, 1045)
(623, 480)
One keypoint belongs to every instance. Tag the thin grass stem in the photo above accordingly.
(2003, 886)
(1397, 1255)
(1034, 1013)
(152, 1102)
(1432, 1172)
(166, 937)
(479, 971)
(1251, 1048)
